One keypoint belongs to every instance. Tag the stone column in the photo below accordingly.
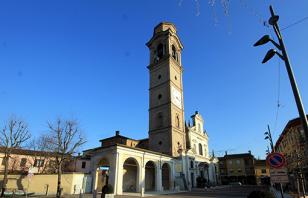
(172, 176)
(94, 178)
(158, 180)
(119, 175)
(113, 171)
(208, 174)
(142, 177)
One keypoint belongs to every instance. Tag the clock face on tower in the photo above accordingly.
(176, 97)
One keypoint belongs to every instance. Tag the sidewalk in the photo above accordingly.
(277, 193)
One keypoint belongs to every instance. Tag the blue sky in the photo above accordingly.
(87, 60)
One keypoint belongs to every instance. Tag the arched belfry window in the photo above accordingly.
(174, 53)
(160, 51)
(200, 149)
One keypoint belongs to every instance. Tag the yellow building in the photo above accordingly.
(237, 168)
(262, 172)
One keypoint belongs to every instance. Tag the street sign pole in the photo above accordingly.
(281, 190)
(278, 170)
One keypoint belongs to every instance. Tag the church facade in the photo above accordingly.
(175, 156)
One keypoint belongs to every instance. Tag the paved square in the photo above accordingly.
(219, 192)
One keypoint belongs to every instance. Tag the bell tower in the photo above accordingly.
(166, 110)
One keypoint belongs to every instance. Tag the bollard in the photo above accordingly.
(80, 193)
(94, 194)
(47, 187)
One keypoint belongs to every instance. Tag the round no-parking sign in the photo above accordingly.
(276, 160)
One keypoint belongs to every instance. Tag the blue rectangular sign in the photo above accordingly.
(104, 168)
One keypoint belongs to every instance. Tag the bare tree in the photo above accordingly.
(14, 134)
(42, 153)
(65, 139)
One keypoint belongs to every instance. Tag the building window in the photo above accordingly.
(83, 164)
(159, 96)
(39, 163)
(230, 162)
(191, 164)
(239, 170)
(177, 120)
(238, 161)
(200, 149)
(195, 149)
(263, 171)
(23, 162)
(160, 119)
(247, 162)
(159, 76)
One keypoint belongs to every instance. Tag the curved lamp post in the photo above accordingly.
(284, 56)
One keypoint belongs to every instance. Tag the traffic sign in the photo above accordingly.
(279, 175)
(276, 160)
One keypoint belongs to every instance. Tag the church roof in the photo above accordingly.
(134, 148)
(116, 136)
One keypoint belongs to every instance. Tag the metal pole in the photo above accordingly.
(296, 93)
(270, 138)
(281, 191)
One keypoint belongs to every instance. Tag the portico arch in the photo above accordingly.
(166, 176)
(204, 171)
(150, 172)
(101, 176)
(130, 175)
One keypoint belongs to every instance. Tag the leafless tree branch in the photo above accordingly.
(13, 135)
(65, 139)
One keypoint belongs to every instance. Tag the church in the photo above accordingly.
(175, 156)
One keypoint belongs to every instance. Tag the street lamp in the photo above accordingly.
(267, 151)
(268, 136)
(265, 39)
(284, 56)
